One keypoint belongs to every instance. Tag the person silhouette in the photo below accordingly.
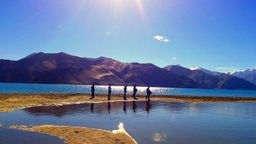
(148, 94)
(92, 91)
(109, 91)
(125, 91)
(134, 92)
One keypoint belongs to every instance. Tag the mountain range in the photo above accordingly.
(62, 68)
(249, 75)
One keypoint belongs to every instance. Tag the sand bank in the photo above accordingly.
(81, 135)
(11, 102)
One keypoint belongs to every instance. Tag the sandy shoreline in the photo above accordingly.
(80, 135)
(11, 102)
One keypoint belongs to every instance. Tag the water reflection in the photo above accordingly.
(159, 137)
(60, 111)
(92, 107)
(134, 106)
(124, 107)
(148, 107)
(137, 106)
(109, 107)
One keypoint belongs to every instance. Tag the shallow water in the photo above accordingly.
(58, 88)
(158, 122)
(10, 136)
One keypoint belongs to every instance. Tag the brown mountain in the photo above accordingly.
(67, 69)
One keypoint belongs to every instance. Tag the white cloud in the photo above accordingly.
(161, 38)
(158, 37)
(166, 40)
(159, 137)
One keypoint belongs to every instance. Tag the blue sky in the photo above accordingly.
(214, 34)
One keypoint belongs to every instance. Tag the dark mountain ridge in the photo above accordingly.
(62, 68)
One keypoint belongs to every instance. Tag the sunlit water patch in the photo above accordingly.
(59, 88)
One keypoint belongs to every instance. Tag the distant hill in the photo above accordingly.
(211, 80)
(61, 68)
(249, 75)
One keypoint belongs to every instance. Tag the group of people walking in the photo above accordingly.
(148, 91)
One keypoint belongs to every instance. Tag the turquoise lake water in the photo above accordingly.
(58, 88)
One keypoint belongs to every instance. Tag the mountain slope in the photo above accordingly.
(67, 69)
(249, 75)
(211, 80)
(206, 71)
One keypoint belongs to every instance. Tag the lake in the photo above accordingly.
(157, 122)
(59, 88)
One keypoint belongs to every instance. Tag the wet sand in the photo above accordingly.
(11, 102)
(79, 135)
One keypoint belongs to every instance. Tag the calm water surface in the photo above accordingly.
(158, 122)
(10, 136)
(57, 88)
